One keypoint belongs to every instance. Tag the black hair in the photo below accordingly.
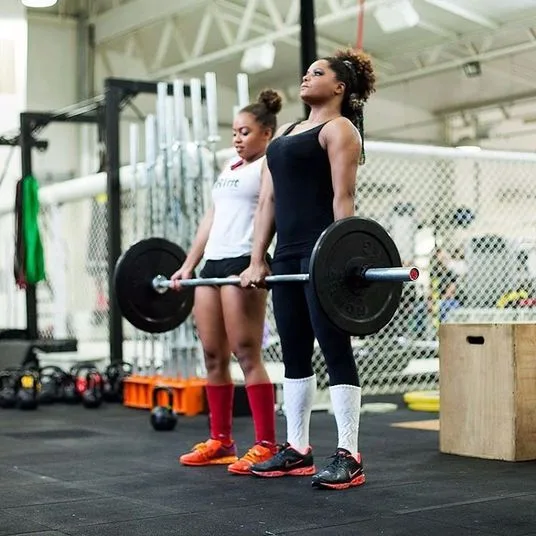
(265, 110)
(355, 70)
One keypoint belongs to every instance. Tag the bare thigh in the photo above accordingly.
(244, 313)
(208, 314)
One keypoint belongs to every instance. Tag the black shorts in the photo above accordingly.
(227, 267)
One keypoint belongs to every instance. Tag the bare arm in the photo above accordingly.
(264, 222)
(200, 241)
(343, 145)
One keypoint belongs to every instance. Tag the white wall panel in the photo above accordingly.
(52, 85)
(13, 85)
(12, 102)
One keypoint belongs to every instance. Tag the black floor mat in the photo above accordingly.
(70, 471)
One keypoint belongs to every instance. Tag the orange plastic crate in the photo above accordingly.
(188, 396)
(136, 391)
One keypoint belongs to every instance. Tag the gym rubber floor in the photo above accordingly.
(71, 471)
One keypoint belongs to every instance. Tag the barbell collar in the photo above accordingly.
(161, 284)
(391, 274)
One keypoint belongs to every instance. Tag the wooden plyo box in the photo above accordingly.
(487, 386)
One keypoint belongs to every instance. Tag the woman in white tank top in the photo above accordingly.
(229, 319)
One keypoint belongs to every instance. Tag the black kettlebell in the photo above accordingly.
(51, 378)
(69, 393)
(114, 375)
(28, 387)
(8, 390)
(92, 395)
(79, 373)
(163, 418)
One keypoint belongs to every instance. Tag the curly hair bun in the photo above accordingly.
(362, 65)
(271, 99)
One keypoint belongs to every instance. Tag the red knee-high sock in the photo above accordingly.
(220, 406)
(262, 403)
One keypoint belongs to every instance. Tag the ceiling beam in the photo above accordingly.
(485, 104)
(456, 64)
(275, 14)
(526, 81)
(260, 23)
(293, 12)
(438, 30)
(247, 16)
(463, 13)
(268, 36)
(434, 121)
(484, 36)
(166, 37)
(133, 15)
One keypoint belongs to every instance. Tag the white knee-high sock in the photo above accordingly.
(346, 403)
(298, 397)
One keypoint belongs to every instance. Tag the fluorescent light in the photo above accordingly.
(472, 69)
(39, 3)
(258, 59)
(469, 148)
(396, 15)
(468, 145)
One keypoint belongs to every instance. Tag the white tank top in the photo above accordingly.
(235, 195)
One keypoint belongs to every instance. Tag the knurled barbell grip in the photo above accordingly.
(160, 282)
(371, 274)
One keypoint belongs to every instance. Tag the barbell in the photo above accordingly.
(355, 270)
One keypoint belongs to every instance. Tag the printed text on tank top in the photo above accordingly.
(234, 199)
(228, 182)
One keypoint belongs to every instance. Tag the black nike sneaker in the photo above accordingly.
(286, 462)
(343, 472)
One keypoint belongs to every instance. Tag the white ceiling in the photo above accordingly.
(417, 67)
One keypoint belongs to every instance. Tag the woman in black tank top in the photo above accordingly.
(309, 182)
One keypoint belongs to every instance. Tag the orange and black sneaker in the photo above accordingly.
(260, 452)
(343, 472)
(287, 461)
(211, 452)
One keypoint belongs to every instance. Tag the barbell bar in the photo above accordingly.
(161, 284)
(355, 271)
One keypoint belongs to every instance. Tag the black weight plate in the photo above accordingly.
(357, 307)
(139, 303)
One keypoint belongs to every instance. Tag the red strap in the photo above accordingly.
(237, 164)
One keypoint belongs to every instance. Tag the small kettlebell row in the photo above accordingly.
(27, 388)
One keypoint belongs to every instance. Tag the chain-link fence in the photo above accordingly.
(464, 219)
(12, 300)
(72, 302)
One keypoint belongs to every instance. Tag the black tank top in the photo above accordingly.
(303, 192)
